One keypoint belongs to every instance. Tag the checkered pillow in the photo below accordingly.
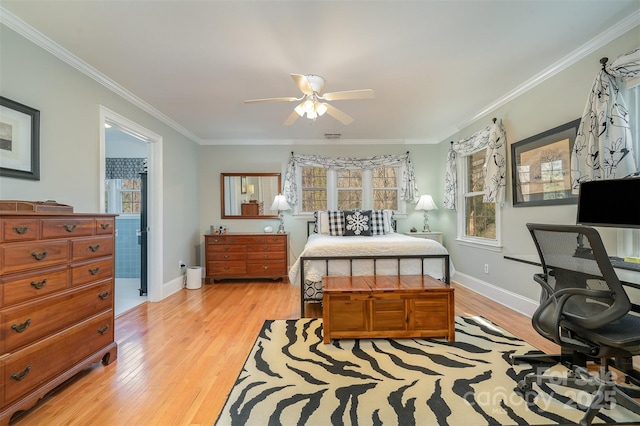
(316, 228)
(377, 222)
(336, 222)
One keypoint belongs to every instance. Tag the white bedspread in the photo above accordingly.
(380, 245)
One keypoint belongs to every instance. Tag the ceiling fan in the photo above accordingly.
(313, 100)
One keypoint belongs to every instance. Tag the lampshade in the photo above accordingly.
(251, 189)
(280, 203)
(426, 203)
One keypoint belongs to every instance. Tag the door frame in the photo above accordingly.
(154, 163)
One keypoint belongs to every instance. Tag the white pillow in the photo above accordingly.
(323, 223)
(388, 217)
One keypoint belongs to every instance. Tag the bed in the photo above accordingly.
(389, 254)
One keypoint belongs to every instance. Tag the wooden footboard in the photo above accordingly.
(399, 258)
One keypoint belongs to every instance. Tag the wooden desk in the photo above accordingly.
(386, 306)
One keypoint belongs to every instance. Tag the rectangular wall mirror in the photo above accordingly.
(248, 195)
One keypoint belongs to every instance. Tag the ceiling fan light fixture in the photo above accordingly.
(312, 115)
(321, 108)
(299, 110)
(308, 106)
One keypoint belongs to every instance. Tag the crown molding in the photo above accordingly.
(589, 47)
(325, 142)
(19, 26)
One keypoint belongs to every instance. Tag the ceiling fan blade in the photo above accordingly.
(338, 115)
(291, 119)
(287, 99)
(303, 83)
(349, 94)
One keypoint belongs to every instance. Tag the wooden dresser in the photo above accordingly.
(246, 255)
(56, 301)
(253, 208)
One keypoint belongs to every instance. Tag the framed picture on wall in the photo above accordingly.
(541, 167)
(243, 184)
(19, 140)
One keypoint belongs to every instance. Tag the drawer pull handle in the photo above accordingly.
(266, 256)
(39, 284)
(94, 271)
(226, 267)
(232, 240)
(70, 228)
(21, 327)
(104, 329)
(226, 249)
(216, 240)
(226, 256)
(265, 267)
(22, 374)
(104, 295)
(21, 229)
(104, 225)
(39, 256)
(94, 248)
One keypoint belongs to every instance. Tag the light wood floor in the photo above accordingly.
(178, 359)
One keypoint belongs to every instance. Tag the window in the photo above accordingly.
(123, 196)
(349, 189)
(479, 220)
(314, 189)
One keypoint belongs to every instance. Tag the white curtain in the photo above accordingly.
(408, 186)
(603, 148)
(493, 138)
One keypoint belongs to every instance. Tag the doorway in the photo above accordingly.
(129, 157)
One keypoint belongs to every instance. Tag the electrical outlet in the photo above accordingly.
(486, 268)
(181, 264)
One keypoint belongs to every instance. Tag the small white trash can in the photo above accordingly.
(194, 277)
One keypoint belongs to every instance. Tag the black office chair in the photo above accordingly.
(584, 309)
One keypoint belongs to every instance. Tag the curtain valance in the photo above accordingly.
(603, 148)
(124, 168)
(408, 186)
(493, 138)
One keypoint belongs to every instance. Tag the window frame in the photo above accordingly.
(332, 190)
(114, 197)
(480, 242)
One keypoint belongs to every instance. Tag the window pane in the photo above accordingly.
(385, 188)
(349, 189)
(475, 167)
(480, 218)
(349, 199)
(385, 177)
(314, 189)
(349, 178)
(385, 199)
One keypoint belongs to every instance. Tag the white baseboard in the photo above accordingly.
(511, 300)
(173, 286)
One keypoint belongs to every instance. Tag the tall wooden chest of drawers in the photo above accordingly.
(56, 302)
(246, 255)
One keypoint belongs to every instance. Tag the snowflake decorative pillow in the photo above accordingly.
(357, 223)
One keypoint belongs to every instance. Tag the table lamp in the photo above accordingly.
(426, 203)
(280, 204)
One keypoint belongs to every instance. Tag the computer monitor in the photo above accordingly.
(612, 203)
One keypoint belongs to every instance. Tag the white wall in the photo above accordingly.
(273, 159)
(69, 103)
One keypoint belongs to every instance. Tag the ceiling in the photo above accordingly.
(435, 66)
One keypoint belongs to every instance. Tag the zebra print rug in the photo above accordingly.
(292, 378)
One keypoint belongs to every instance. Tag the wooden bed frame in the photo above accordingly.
(373, 258)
